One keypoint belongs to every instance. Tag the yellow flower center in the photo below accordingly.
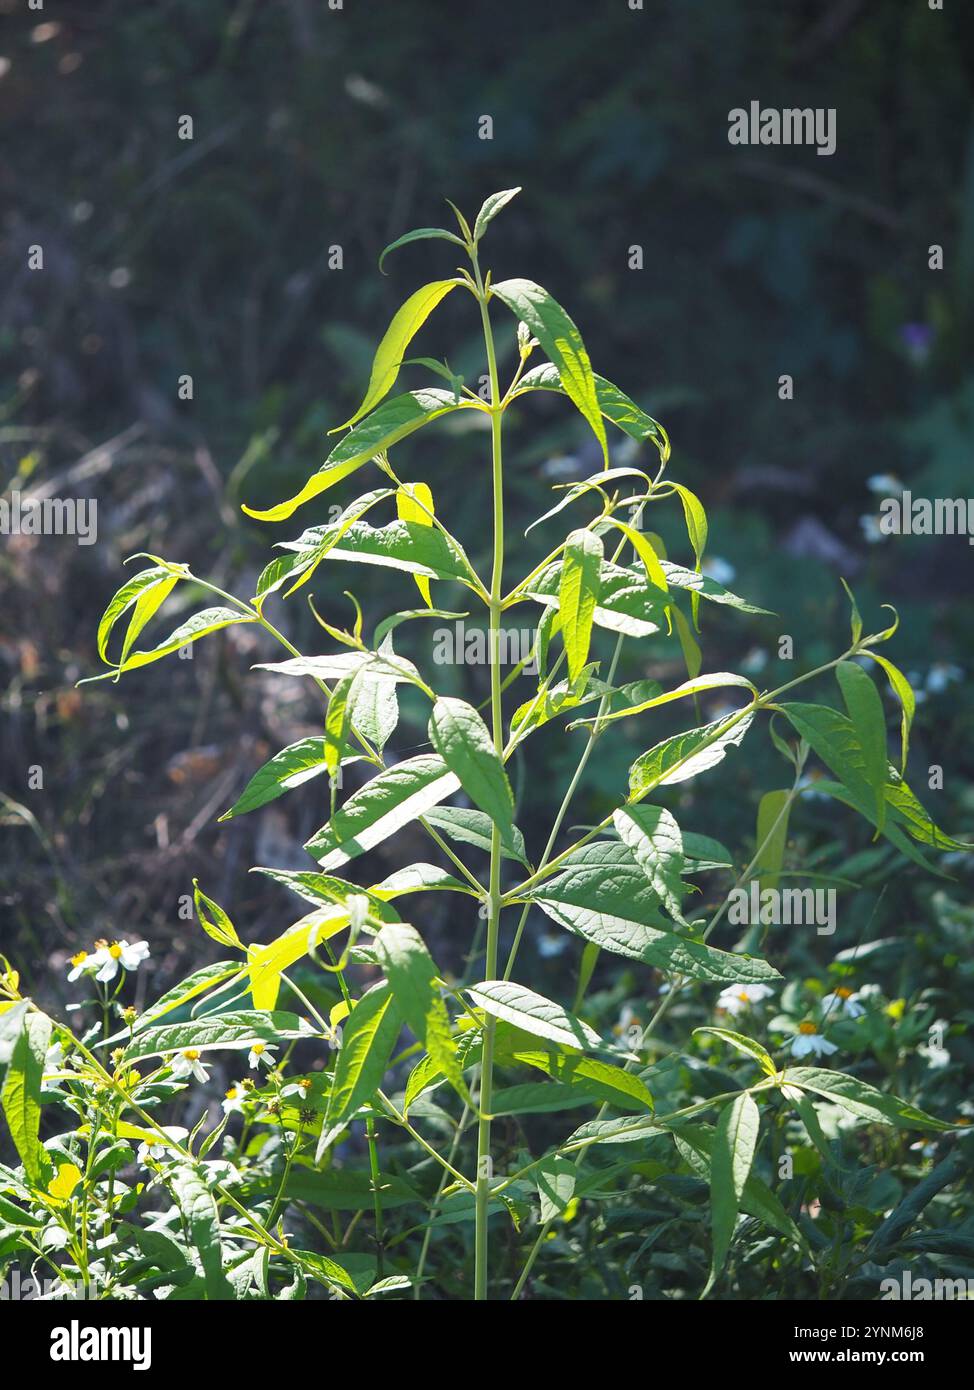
(744, 997)
(233, 1093)
(807, 1028)
(80, 958)
(192, 1055)
(844, 993)
(115, 950)
(258, 1048)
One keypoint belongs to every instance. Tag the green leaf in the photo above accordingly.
(391, 800)
(305, 554)
(420, 878)
(367, 1042)
(386, 426)
(614, 404)
(603, 895)
(468, 826)
(414, 502)
(654, 838)
(865, 710)
(492, 206)
(420, 234)
(199, 625)
(406, 545)
(145, 592)
(337, 724)
(695, 1144)
(214, 920)
(735, 1142)
(702, 586)
(411, 974)
(655, 574)
(460, 736)
(218, 1032)
(341, 1189)
(555, 1177)
(719, 680)
(743, 1044)
(534, 1014)
(904, 693)
(540, 1098)
(859, 1098)
(199, 982)
(289, 768)
(202, 1224)
(577, 594)
(562, 341)
(406, 323)
(21, 1094)
(683, 756)
(593, 1076)
(626, 604)
(772, 835)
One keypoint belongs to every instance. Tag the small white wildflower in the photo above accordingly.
(736, 998)
(260, 1053)
(124, 954)
(187, 1063)
(158, 1148)
(843, 1001)
(808, 1042)
(233, 1101)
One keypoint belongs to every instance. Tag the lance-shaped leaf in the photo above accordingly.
(491, 207)
(771, 836)
(144, 593)
(743, 1044)
(718, 680)
(409, 546)
(865, 710)
(626, 604)
(460, 736)
(21, 1094)
(305, 554)
(653, 836)
(391, 800)
(386, 426)
(214, 920)
(655, 574)
(614, 404)
(468, 826)
(420, 234)
(534, 1014)
(367, 1042)
(289, 768)
(419, 878)
(199, 625)
(201, 1222)
(411, 973)
(683, 756)
(861, 1099)
(904, 693)
(695, 1143)
(597, 482)
(577, 595)
(555, 1176)
(414, 502)
(374, 703)
(385, 666)
(218, 1032)
(315, 888)
(406, 323)
(562, 341)
(735, 1142)
(603, 895)
(702, 586)
(265, 962)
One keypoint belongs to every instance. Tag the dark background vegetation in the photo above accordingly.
(315, 127)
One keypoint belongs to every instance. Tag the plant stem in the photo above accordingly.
(497, 731)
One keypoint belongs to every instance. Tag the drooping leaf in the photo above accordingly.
(771, 836)
(865, 710)
(202, 1224)
(411, 974)
(614, 404)
(414, 502)
(861, 1099)
(289, 768)
(653, 836)
(420, 234)
(555, 1177)
(201, 624)
(717, 681)
(735, 1142)
(743, 1044)
(904, 693)
(468, 826)
(21, 1095)
(221, 1032)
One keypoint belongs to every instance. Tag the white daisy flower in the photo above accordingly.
(187, 1063)
(260, 1053)
(736, 998)
(124, 954)
(808, 1042)
(54, 1058)
(159, 1149)
(298, 1088)
(84, 963)
(843, 1001)
(233, 1101)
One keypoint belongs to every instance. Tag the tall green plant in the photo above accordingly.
(620, 887)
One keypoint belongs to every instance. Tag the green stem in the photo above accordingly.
(497, 732)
